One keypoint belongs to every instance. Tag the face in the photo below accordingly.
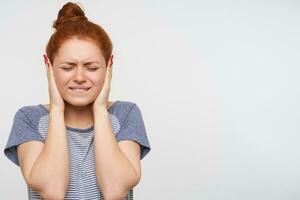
(79, 63)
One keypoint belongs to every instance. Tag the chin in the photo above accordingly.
(79, 102)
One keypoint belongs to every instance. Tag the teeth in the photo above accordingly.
(79, 90)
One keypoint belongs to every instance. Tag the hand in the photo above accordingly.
(101, 101)
(56, 101)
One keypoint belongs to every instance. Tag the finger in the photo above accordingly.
(46, 65)
(110, 61)
(108, 74)
(110, 67)
(47, 60)
(49, 65)
(51, 78)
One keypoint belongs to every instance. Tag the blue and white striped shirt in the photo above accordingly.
(31, 123)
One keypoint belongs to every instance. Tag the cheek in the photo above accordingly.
(57, 78)
(61, 81)
(98, 80)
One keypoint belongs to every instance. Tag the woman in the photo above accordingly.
(80, 145)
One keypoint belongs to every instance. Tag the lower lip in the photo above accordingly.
(79, 92)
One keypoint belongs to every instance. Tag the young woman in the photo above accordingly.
(80, 145)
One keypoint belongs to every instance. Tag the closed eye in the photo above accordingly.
(89, 68)
(93, 68)
(67, 68)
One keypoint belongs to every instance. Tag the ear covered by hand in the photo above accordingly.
(56, 100)
(101, 101)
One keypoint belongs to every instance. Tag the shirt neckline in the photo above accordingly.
(82, 130)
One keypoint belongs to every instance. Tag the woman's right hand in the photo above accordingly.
(56, 100)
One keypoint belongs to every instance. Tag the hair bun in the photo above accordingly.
(70, 12)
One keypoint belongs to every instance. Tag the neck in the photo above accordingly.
(79, 116)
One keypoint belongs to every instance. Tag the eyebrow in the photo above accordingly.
(72, 63)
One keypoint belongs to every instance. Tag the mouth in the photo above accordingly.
(79, 90)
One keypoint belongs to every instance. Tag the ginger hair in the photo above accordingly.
(71, 23)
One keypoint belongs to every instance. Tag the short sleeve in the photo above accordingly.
(133, 128)
(22, 131)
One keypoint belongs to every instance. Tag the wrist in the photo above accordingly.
(100, 110)
(56, 109)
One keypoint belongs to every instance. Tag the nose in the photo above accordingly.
(79, 76)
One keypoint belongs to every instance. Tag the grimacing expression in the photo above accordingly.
(79, 64)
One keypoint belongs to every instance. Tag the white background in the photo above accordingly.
(217, 83)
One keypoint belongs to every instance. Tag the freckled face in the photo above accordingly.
(79, 64)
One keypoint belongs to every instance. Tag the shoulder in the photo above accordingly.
(28, 115)
(126, 110)
(123, 108)
(125, 104)
(31, 111)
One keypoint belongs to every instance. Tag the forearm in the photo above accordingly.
(115, 173)
(50, 172)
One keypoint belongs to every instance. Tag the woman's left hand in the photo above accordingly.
(101, 101)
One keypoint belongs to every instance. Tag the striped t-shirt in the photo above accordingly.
(31, 123)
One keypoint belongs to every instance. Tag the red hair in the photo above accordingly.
(72, 23)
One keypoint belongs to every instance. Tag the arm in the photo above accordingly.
(45, 167)
(117, 166)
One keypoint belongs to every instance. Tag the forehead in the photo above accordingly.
(79, 50)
